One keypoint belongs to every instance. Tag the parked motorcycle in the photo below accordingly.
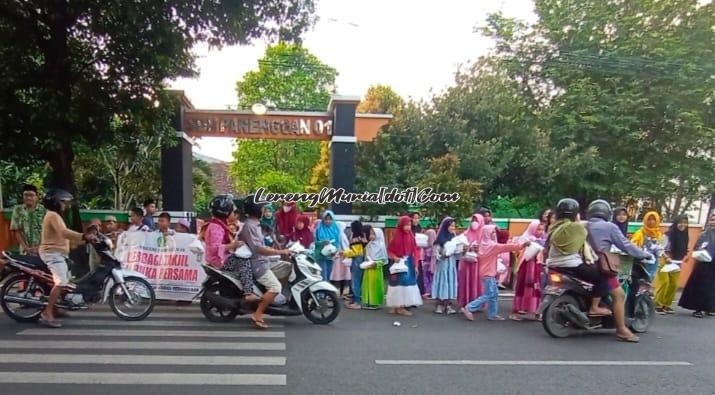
(25, 292)
(222, 294)
(566, 300)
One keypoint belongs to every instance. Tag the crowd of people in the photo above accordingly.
(461, 272)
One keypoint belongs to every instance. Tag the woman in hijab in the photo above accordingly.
(356, 253)
(699, 292)
(342, 274)
(402, 290)
(676, 249)
(620, 218)
(327, 232)
(527, 292)
(286, 219)
(650, 238)
(267, 218)
(373, 283)
(429, 262)
(444, 287)
(468, 279)
(301, 231)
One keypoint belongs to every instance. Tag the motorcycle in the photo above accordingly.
(25, 292)
(566, 300)
(221, 298)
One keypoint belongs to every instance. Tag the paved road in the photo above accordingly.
(176, 351)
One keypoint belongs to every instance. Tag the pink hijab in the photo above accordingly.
(431, 237)
(475, 236)
(488, 244)
(530, 232)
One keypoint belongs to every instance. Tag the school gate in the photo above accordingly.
(341, 125)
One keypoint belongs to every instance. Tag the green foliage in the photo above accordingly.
(13, 177)
(69, 69)
(278, 182)
(289, 77)
(443, 177)
(203, 190)
(381, 99)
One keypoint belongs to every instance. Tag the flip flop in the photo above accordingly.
(259, 324)
(49, 324)
(515, 317)
(634, 339)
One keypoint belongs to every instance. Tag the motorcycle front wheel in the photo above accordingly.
(18, 285)
(553, 321)
(323, 312)
(643, 313)
(214, 312)
(138, 304)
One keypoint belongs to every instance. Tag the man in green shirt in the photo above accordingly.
(26, 222)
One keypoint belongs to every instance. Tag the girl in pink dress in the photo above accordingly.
(527, 291)
(469, 283)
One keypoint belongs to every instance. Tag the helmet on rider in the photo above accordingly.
(567, 209)
(55, 197)
(222, 206)
(251, 208)
(599, 209)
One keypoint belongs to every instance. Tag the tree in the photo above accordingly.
(70, 68)
(629, 83)
(289, 77)
(443, 178)
(381, 99)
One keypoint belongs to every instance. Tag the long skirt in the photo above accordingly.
(373, 286)
(469, 281)
(527, 291)
(505, 277)
(340, 272)
(445, 284)
(699, 292)
(402, 290)
(427, 276)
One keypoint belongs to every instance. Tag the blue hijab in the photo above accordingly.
(324, 232)
(444, 236)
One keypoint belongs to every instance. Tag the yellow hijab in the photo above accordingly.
(654, 232)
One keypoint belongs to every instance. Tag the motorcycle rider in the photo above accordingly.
(269, 275)
(603, 235)
(54, 250)
(566, 251)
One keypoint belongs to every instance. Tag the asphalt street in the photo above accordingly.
(176, 351)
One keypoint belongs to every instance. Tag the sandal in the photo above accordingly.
(259, 324)
(353, 306)
(404, 312)
(629, 339)
(49, 324)
(698, 314)
(515, 317)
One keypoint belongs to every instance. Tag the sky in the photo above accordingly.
(413, 46)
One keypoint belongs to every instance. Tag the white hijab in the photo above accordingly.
(376, 249)
(344, 242)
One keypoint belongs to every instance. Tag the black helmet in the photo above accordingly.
(251, 208)
(599, 209)
(567, 208)
(54, 197)
(222, 206)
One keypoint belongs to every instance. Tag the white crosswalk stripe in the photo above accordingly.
(172, 347)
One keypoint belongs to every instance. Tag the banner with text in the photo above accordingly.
(172, 264)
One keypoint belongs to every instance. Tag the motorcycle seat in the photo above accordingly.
(33, 262)
(587, 285)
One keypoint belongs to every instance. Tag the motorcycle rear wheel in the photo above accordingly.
(643, 314)
(552, 320)
(213, 312)
(12, 285)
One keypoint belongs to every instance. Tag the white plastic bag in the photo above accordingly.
(399, 267)
(470, 256)
(422, 240)
(367, 265)
(702, 256)
(347, 262)
(243, 252)
(532, 250)
(329, 250)
(673, 266)
(501, 267)
(450, 248)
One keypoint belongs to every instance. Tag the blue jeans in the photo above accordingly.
(326, 269)
(491, 296)
(356, 274)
